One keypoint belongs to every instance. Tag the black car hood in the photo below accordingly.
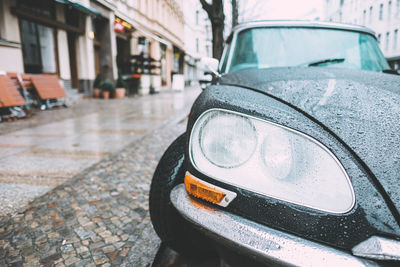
(361, 108)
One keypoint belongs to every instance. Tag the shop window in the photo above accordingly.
(163, 59)
(176, 60)
(143, 45)
(38, 47)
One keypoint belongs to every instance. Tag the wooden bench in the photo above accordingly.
(11, 100)
(24, 80)
(9, 94)
(41, 90)
(48, 86)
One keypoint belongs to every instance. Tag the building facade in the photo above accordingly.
(154, 48)
(197, 40)
(382, 16)
(78, 40)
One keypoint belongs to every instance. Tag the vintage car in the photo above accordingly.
(292, 156)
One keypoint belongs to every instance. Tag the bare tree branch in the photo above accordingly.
(206, 6)
(215, 11)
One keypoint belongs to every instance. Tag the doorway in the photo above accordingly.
(73, 60)
(123, 54)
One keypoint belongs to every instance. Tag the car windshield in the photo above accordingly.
(310, 47)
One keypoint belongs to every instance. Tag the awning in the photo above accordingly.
(147, 33)
(155, 37)
(80, 7)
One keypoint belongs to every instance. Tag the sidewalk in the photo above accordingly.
(100, 215)
(54, 145)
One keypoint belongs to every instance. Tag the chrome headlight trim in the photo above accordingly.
(320, 145)
(378, 248)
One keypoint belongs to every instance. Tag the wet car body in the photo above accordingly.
(354, 114)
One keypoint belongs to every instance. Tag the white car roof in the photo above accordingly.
(303, 23)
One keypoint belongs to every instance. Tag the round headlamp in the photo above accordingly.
(227, 140)
(276, 154)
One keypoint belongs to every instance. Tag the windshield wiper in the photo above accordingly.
(323, 61)
(390, 71)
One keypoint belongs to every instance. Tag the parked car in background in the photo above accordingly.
(292, 157)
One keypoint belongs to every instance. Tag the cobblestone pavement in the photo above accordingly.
(52, 146)
(100, 216)
(95, 219)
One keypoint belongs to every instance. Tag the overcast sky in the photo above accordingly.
(281, 9)
(250, 10)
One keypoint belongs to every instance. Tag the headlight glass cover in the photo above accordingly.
(232, 148)
(269, 159)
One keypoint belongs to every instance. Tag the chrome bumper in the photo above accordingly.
(262, 242)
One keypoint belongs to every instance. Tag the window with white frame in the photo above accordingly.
(397, 7)
(364, 17)
(370, 14)
(387, 41)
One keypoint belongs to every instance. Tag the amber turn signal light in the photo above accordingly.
(199, 189)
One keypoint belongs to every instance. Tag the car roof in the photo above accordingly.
(303, 23)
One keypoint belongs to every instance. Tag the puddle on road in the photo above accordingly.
(37, 179)
(63, 153)
(145, 118)
(109, 131)
(38, 135)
